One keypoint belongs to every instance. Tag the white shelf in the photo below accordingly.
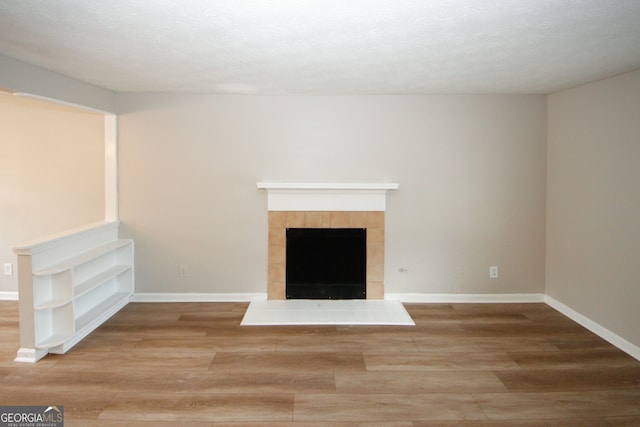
(75, 283)
(98, 310)
(82, 258)
(53, 341)
(52, 303)
(97, 280)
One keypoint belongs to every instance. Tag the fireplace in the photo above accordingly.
(326, 263)
(333, 206)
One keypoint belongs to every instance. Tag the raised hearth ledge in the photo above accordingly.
(308, 196)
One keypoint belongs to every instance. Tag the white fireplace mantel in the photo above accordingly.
(336, 196)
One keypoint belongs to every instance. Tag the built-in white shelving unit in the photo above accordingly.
(69, 284)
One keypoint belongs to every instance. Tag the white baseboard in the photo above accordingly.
(196, 297)
(8, 296)
(403, 297)
(604, 333)
(464, 298)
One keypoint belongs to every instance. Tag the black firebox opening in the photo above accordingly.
(326, 263)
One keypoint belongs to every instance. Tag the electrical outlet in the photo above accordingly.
(183, 270)
(8, 269)
(493, 272)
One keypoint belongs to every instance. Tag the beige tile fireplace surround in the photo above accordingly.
(336, 205)
(279, 221)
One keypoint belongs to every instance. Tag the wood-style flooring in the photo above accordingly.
(158, 364)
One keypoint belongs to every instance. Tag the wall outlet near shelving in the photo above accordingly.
(493, 272)
(183, 270)
(8, 269)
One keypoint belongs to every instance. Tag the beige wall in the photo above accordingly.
(471, 171)
(593, 205)
(51, 173)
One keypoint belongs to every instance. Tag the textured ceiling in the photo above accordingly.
(326, 46)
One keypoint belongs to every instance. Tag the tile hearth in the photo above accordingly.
(326, 312)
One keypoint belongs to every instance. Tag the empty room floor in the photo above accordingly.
(156, 364)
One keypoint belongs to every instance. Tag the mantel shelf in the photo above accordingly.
(335, 196)
(327, 186)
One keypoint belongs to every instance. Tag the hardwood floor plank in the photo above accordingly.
(258, 381)
(473, 344)
(470, 318)
(108, 341)
(212, 317)
(211, 320)
(5, 371)
(424, 329)
(160, 330)
(574, 359)
(439, 361)
(377, 330)
(572, 422)
(140, 360)
(570, 379)
(385, 407)
(435, 308)
(137, 319)
(623, 421)
(185, 307)
(90, 381)
(580, 341)
(287, 361)
(319, 424)
(530, 329)
(346, 343)
(241, 331)
(417, 382)
(524, 308)
(6, 357)
(209, 344)
(548, 316)
(132, 423)
(187, 407)
(552, 405)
